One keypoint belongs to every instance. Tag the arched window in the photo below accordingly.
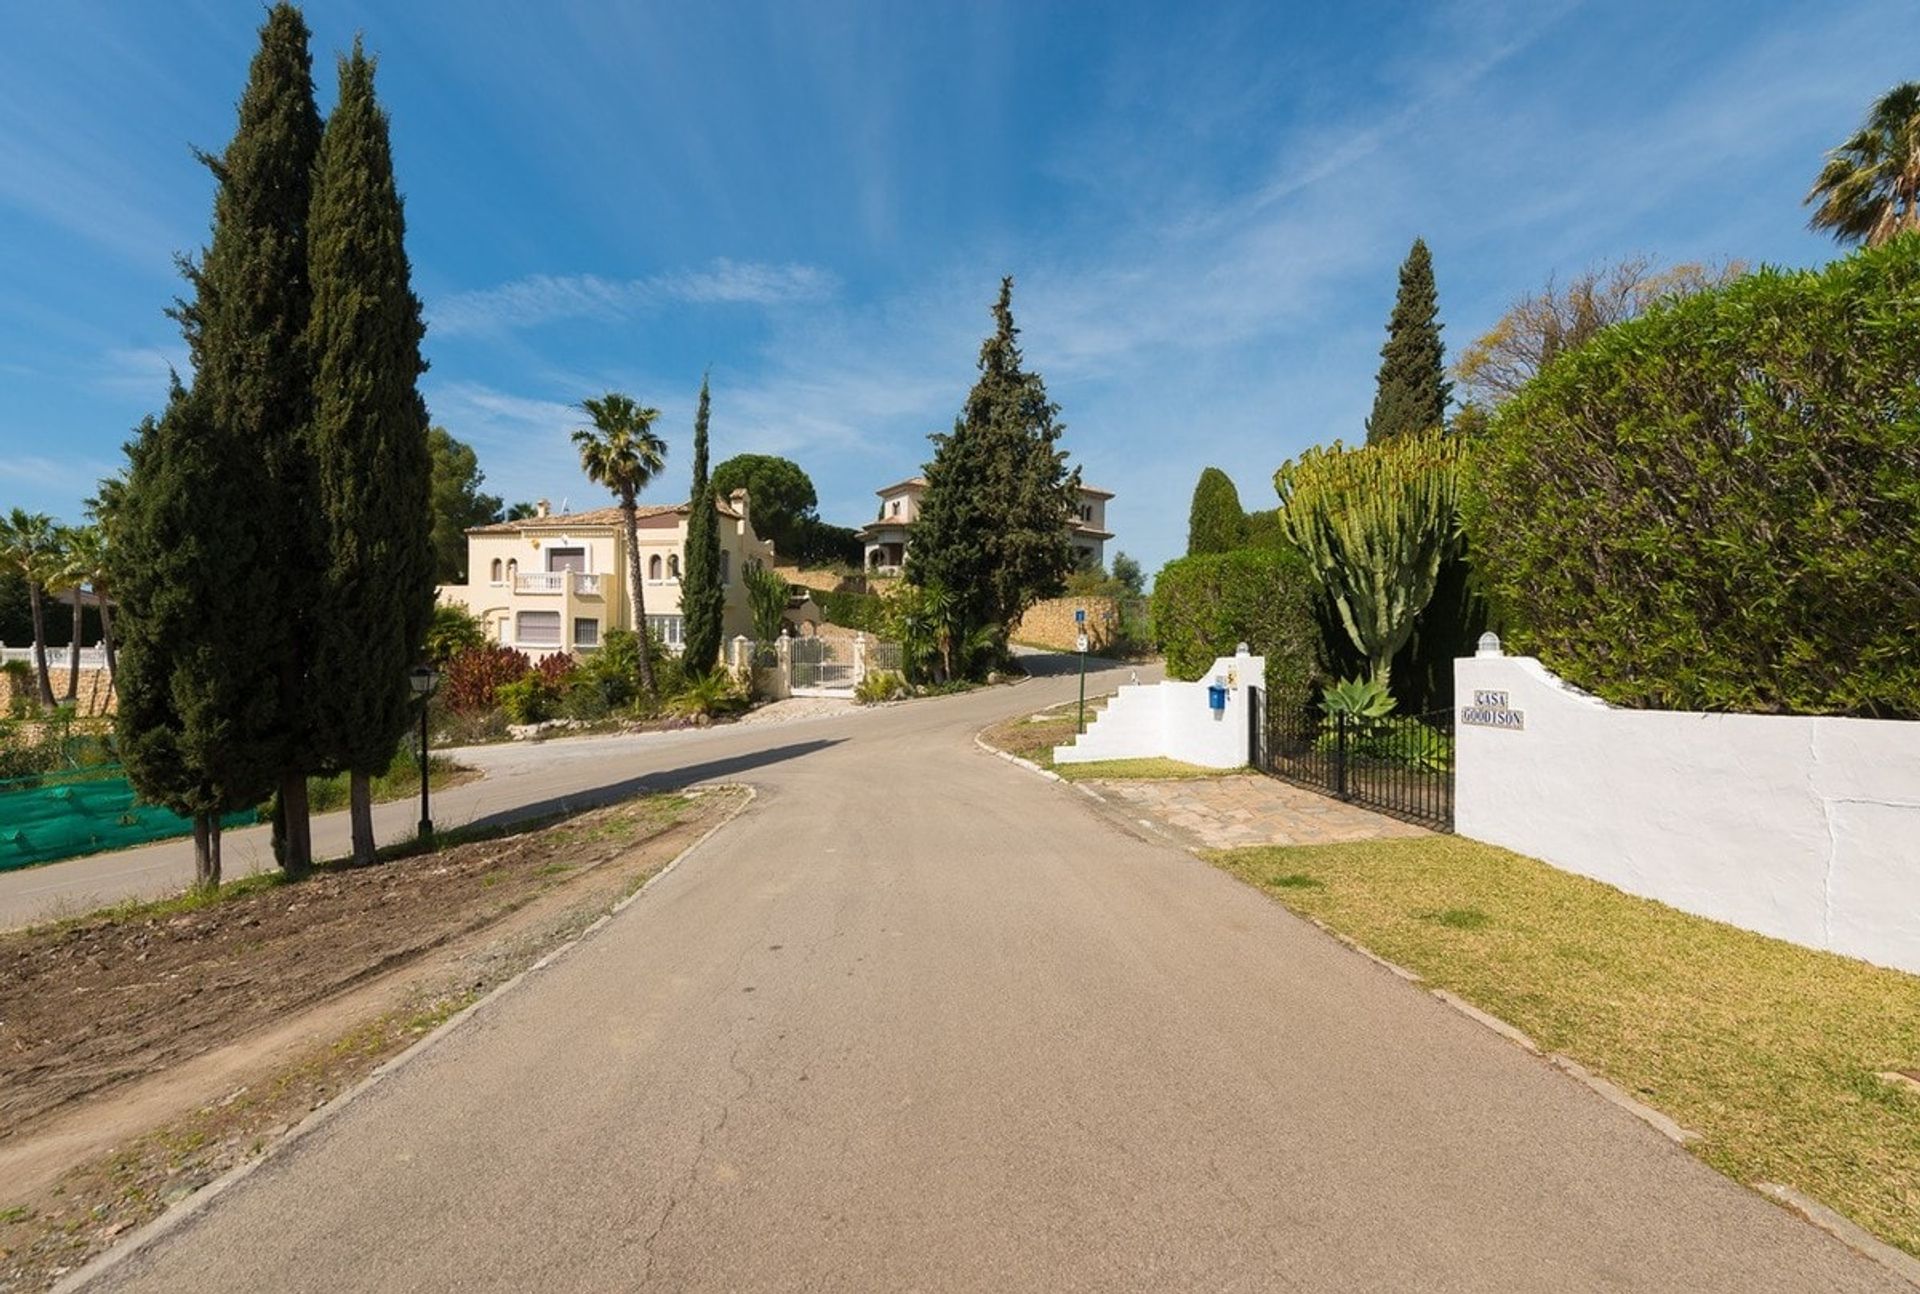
(725, 563)
(496, 570)
(653, 567)
(673, 566)
(513, 569)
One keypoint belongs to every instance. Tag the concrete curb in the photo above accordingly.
(1619, 1096)
(1027, 764)
(1489, 1021)
(1848, 1233)
(193, 1205)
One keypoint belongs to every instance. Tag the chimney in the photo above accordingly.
(739, 501)
(542, 508)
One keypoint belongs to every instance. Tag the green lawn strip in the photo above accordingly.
(1155, 768)
(1769, 1050)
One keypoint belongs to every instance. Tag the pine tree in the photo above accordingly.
(993, 522)
(369, 446)
(245, 329)
(1216, 523)
(702, 600)
(1412, 391)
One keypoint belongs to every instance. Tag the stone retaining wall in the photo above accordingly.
(96, 694)
(1051, 623)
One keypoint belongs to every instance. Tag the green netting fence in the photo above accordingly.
(82, 811)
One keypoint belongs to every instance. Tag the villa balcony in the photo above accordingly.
(584, 584)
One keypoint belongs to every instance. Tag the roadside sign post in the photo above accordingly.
(1080, 628)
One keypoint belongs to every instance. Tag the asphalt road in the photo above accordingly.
(922, 1020)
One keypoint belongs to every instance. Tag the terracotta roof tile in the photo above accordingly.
(592, 517)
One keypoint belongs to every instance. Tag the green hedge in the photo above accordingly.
(1717, 506)
(864, 611)
(1203, 606)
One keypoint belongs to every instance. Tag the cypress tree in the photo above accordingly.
(702, 600)
(245, 329)
(191, 703)
(1216, 523)
(1412, 391)
(370, 450)
(993, 521)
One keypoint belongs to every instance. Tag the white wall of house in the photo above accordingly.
(1174, 720)
(1807, 829)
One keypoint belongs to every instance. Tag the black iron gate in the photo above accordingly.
(1399, 765)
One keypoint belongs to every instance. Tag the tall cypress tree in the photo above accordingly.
(192, 705)
(1412, 391)
(702, 600)
(993, 521)
(245, 329)
(369, 446)
(1216, 523)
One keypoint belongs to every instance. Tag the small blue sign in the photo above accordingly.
(1079, 615)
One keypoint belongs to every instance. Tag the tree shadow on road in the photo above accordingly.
(667, 779)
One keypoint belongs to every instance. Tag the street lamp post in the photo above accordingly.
(423, 681)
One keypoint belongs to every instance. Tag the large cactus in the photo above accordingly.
(1376, 522)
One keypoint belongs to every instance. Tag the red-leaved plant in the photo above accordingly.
(476, 674)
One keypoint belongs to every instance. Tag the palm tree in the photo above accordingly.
(106, 509)
(63, 576)
(27, 539)
(86, 565)
(621, 452)
(1869, 190)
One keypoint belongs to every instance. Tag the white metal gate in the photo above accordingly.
(823, 667)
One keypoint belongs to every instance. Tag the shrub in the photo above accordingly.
(881, 685)
(475, 676)
(1716, 506)
(1203, 606)
(613, 668)
(464, 728)
(1215, 521)
(22, 698)
(585, 698)
(529, 699)
(557, 668)
(851, 610)
(709, 696)
(454, 629)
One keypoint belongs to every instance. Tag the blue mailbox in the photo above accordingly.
(1217, 695)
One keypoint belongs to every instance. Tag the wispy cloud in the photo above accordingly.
(546, 298)
(143, 371)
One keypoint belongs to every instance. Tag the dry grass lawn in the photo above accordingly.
(1772, 1052)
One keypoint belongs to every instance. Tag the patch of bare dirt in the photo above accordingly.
(143, 1053)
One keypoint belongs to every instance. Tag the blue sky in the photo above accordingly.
(1204, 208)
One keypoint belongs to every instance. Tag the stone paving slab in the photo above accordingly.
(1249, 809)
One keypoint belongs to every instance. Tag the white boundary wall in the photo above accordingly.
(1172, 719)
(1807, 829)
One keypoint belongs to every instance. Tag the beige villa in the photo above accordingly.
(552, 583)
(888, 536)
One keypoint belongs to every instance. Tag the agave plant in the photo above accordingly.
(1360, 700)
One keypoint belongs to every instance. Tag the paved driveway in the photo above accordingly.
(922, 1020)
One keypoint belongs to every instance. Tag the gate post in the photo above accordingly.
(859, 656)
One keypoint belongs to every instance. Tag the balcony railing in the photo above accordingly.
(556, 582)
